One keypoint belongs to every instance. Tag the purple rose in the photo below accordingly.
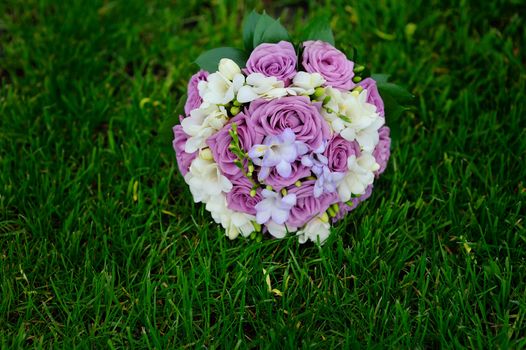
(382, 152)
(344, 208)
(338, 150)
(373, 96)
(274, 60)
(194, 100)
(239, 198)
(307, 206)
(295, 112)
(183, 159)
(331, 63)
(220, 141)
(278, 182)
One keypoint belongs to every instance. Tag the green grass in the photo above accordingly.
(101, 245)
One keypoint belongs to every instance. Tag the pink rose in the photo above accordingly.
(194, 100)
(274, 60)
(373, 96)
(382, 152)
(220, 141)
(239, 198)
(183, 159)
(307, 206)
(278, 182)
(295, 112)
(331, 63)
(338, 150)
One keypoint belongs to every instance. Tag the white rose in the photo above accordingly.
(239, 223)
(221, 87)
(260, 86)
(369, 137)
(277, 230)
(360, 175)
(331, 109)
(204, 178)
(233, 222)
(228, 68)
(202, 123)
(305, 83)
(352, 117)
(317, 227)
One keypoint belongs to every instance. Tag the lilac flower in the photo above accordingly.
(274, 207)
(316, 160)
(277, 151)
(307, 206)
(327, 180)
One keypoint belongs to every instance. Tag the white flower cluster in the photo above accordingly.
(349, 114)
(209, 186)
(346, 112)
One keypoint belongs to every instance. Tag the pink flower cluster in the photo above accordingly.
(292, 160)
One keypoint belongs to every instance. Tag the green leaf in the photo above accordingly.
(249, 26)
(395, 98)
(380, 78)
(269, 30)
(393, 110)
(401, 95)
(319, 28)
(209, 60)
(179, 109)
(165, 128)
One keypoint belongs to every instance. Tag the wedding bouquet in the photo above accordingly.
(281, 138)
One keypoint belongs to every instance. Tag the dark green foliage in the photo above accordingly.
(209, 60)
(318, 28)
(269, 30)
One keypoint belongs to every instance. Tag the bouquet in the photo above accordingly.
(280, 138)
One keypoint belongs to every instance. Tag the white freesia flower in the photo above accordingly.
(228, 68)
(277, 230)
(369, 137)
(221, 87)
(317, 227)
(202, 123)
(204, 178)
(360, 175)
(305, 83)
(352, 117)
(233, 222)
(260, 86)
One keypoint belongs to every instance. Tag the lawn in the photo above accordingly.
(101, 245)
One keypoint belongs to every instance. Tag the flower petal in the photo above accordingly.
(289, 200)
(263, 216)
(284, 169)
(278, 231)
(257, 151)
(279, 216)
(318, 189)
(307, 161)
(246, 94)
(263, 173)
(301, 148)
